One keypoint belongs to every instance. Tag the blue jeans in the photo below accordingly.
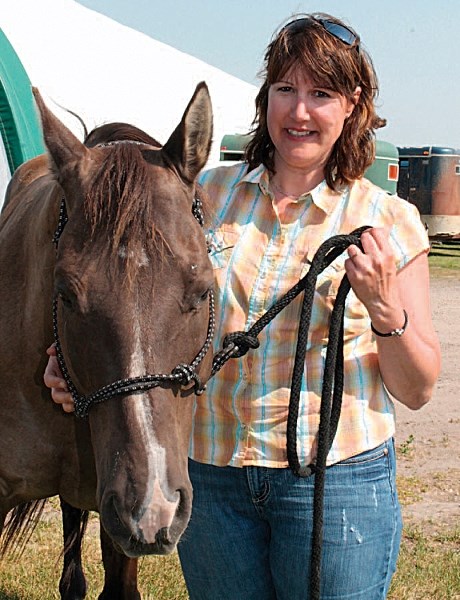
(249, 537)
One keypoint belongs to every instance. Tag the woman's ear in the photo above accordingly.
(357, 94)
(354, 100)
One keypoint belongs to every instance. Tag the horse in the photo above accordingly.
(126, 290)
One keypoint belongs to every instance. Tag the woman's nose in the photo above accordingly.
(300, 108)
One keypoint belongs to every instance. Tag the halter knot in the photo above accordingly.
(242, 342)
(82, 405)
(185, 374)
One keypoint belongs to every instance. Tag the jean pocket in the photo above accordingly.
(367, 456)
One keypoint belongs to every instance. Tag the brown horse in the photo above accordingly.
(131, 280)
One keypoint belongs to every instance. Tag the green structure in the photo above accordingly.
(21, 136)
(383, 172)
(232, 146)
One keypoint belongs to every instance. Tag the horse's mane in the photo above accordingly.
(116, 132)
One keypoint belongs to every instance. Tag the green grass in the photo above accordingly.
(35, 575)
(444, 258)
(428, 566)
(429, 561)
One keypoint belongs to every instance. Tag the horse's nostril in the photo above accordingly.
(162, 536)
(185, 501)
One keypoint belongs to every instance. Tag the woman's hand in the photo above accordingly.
(55, 381)
(372, 275)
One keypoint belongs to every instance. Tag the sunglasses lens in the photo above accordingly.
(339, 31)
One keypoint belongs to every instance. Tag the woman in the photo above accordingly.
(250, 532)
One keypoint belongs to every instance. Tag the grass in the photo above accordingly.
(428, 566)
(444, 258)
(407, 447)
(429, 561)
(35, 575)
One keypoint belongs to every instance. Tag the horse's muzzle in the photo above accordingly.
(155, 529)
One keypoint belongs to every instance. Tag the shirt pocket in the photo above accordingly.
(327, 285)
(326, 289)
(221, 244)
(328, 281)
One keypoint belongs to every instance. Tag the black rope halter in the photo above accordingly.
(238, 343)
(182, 374)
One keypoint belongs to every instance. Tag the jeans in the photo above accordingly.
(249, 537)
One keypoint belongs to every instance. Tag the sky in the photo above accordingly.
(414, 44)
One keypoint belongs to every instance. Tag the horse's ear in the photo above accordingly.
(62, 145)
(190, 143)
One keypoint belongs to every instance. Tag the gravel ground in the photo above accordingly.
(428, 440)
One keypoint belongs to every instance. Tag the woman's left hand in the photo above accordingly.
(372, 275)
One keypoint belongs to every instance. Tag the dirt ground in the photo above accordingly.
(428, 440)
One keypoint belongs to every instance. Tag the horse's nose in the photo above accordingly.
(154, 527)
(156, 512)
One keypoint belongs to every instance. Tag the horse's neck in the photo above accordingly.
(25, 224)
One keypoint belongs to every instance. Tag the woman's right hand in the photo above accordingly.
(55, 381)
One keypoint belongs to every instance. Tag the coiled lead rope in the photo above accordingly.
(238, 343)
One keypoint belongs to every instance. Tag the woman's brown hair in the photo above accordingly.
(310, 43)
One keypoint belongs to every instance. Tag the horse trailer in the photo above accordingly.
(429, 177)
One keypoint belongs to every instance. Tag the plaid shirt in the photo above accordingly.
(241, 419)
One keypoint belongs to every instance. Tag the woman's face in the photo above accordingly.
(304, 121)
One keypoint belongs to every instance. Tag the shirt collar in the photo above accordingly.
(322, 196)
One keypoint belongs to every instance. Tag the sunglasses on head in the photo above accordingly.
(337, 30)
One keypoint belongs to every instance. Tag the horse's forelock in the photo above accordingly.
(118, 202)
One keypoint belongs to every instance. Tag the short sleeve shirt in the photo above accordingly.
(241, 419)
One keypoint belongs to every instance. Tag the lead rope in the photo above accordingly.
(238, 343)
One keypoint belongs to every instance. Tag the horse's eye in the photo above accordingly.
(204, 295)
(66, 296)
(65, 300)
(198, 300)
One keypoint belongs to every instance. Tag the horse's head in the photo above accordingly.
(132, 279)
